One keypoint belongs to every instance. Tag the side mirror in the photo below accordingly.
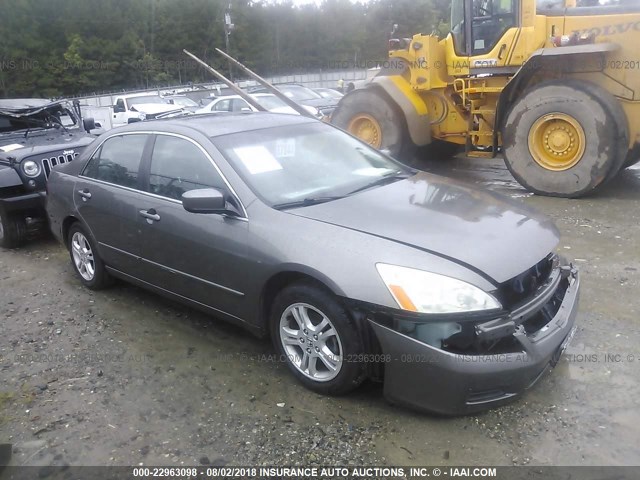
(204, 200)
(245, 109)
(88, 124)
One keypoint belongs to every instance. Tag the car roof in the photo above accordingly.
(259, 94)
(216, 124)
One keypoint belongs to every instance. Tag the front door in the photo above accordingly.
(199, 256)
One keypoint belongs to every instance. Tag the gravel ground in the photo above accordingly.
(124, 377)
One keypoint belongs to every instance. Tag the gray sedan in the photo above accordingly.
(355, 265)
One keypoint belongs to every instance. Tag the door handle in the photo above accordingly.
(503, 47)
(150, 215)
(85, 194)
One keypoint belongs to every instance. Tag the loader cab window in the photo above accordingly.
(489, 19)
(458, 27)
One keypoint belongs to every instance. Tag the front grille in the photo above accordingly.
(522, 287)
(49, 163)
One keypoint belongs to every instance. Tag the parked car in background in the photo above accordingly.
(305, 97)
(329, 93)
(182, 101)
(36, 136)
(355, 265)
(235, 103)
(135, 107)
(203, 96)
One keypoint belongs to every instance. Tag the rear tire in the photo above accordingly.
(13, 230)
(314, 334)
(85, 259)
(370, 116)
(620, 118)
(565, 140)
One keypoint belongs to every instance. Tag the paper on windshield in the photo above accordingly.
(286, 147)
(257, 159)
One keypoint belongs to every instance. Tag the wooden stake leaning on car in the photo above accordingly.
(248, 98)
(297, 107)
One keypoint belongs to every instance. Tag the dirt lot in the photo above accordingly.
(124, 377)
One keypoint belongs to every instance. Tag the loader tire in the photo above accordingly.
(565, 139)
(370, 116)
(615, 109)
(633, 157)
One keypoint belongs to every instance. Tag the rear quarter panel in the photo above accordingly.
(59, 202)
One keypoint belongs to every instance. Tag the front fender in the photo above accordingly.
(9, 177)
(410, 103)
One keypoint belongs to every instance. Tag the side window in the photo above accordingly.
(491, 18)
(223, 106)
(239, 104)
(119, 106)
(178, 166)
(118, 160)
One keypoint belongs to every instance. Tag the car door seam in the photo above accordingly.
(173, 270)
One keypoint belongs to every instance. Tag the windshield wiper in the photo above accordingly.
(392, 177)
(306, 202)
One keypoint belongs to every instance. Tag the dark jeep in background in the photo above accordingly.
(36, 135)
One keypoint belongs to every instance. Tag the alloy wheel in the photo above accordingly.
(311, 342)
(83, 256)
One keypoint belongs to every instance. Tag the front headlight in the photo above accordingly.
(31, 168)
(426, 292)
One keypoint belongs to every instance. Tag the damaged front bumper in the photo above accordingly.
(425, 377)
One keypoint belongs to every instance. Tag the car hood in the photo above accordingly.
(484, 231)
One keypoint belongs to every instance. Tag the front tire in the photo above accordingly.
(13, 230)
(562, 140)
(316, 337)
(368, 115)
(85, 259)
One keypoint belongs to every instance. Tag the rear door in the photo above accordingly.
(105, 197)
(202, 257)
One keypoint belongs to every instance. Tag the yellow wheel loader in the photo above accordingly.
(554, 88)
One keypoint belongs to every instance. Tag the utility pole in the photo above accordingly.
(228, 27)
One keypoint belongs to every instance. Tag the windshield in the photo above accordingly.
(457, 26)
(299, 93)
(146, 99)
(297, 162)
(183, 101)
(55, 116)
(328, 93)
